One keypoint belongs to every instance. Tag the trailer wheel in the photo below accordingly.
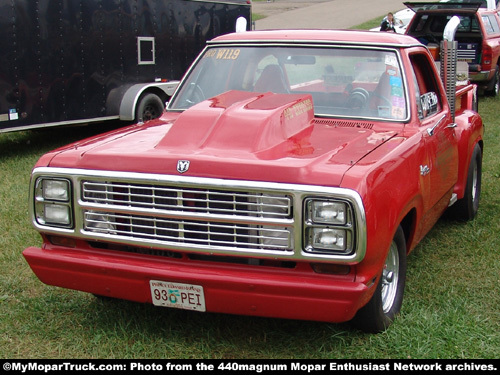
(466, 208)
(493, 88)
(149, 107)
(378, 314)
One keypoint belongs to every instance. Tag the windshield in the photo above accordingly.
(343, 82)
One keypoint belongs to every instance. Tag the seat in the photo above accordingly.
(272, 79)
(381, 96)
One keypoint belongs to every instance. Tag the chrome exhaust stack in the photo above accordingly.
(449, 48)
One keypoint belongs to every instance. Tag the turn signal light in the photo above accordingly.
(331, 269)
(62, 241)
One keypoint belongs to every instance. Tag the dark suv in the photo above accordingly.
(478, 37)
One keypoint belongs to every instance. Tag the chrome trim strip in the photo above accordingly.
(298, 192)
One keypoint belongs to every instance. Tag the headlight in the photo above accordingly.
(328, 226)
(57, 214)
(328, 212)
(57, 190)
(53, 202)
(328, 239)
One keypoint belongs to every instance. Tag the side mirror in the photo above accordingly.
(429, 104)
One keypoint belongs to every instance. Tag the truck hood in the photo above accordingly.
(236, 135)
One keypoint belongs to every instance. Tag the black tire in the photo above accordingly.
(466, 208)
(475, 103)
(493, 88)
(149, 107)
(378, 314)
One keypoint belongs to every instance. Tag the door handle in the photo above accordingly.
(430, 131)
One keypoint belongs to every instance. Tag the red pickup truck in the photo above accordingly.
(290, 175)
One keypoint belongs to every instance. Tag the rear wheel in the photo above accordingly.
(493, 88)
(378, 314)
(467, 207)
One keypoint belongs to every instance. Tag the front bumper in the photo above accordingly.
(233, 289)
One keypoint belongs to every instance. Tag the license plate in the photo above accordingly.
(177, 295)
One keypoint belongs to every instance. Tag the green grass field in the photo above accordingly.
(451, 306)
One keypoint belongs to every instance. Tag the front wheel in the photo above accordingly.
(378, 314)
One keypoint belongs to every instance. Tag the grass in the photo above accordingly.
(450, 308)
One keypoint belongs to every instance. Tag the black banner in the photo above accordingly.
(249, 366)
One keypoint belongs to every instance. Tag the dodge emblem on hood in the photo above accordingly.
(182, 166)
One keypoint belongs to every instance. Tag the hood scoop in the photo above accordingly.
(239, 120)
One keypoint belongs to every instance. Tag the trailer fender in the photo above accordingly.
(131, 99)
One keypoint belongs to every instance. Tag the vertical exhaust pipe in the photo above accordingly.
(449, 48)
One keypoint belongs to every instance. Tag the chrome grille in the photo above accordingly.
(212, 234)
(209, 201)
(188, 216)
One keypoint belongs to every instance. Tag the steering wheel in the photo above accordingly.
(358, 98)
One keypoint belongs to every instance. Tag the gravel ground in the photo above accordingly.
(321, 14)
(276, 7)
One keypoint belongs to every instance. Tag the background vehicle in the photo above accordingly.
(79, 61)
(404, 16)
(478, 37)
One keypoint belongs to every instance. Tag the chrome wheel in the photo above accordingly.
(496, 87)
(390, 277)
(387, 299)
(475, 182)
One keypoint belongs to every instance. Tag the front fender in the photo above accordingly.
(389, 182)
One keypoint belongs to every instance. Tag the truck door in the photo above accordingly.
(439, 170)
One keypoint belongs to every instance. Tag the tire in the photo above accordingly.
(378, 314)
(475, 103)
(466, 209)
(493, 88)
(149, 107)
